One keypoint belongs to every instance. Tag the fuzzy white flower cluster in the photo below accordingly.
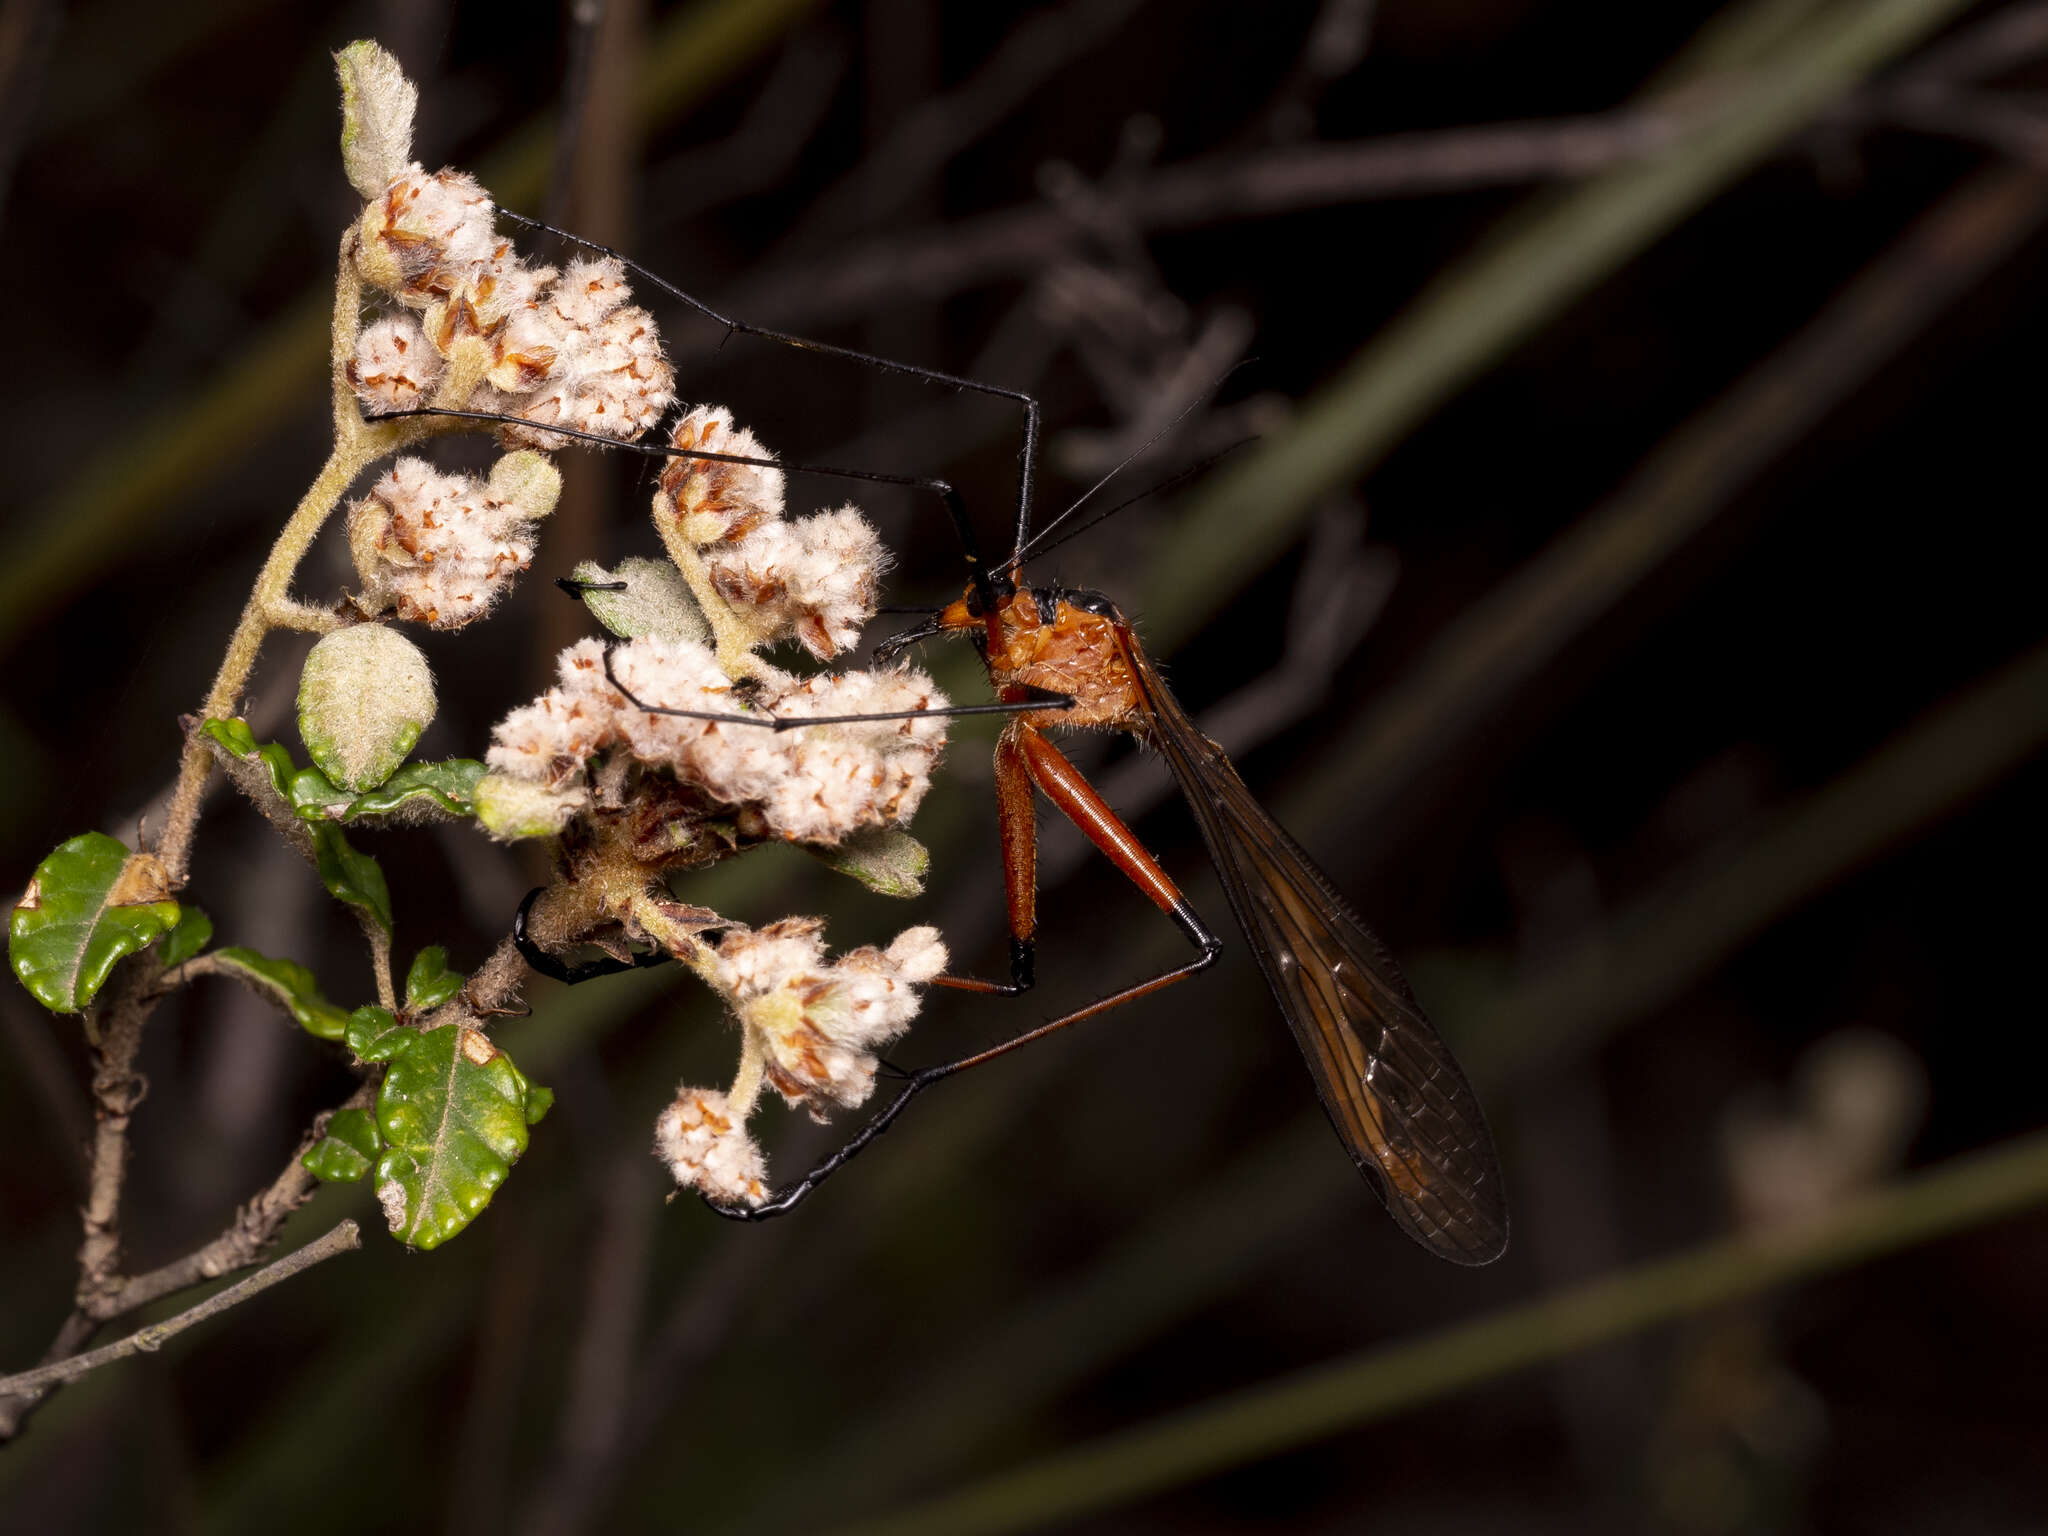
(812, 1030)
(563, 348)
(819, 1024)
(440, 549)
(815, 785)
(815, 579)
(707, 1148)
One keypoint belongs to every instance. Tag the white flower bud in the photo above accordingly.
(820, 1024)
(815, 785)
(707, 1148)
(710, 500)
(394, 369)
(816, 579)
(604, 369)
(438, 549)
(364, 697)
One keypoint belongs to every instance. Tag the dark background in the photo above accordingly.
(1637, 877)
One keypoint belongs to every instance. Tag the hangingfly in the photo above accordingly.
(1064, 658)
(1399, 1102)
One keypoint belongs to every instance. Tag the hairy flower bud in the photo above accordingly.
(707, 1148)
(710, 500)
(816, 578)
(815, 785)
(441, 549)
(393, 368)
(579, 355)
(820, 1024)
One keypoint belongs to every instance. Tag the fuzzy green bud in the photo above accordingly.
(364, 698)
(377, 105)
(510, 808)
(528, 481)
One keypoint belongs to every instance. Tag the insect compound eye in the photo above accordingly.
(974, 609)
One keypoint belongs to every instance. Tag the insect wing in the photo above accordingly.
(1405, 1112)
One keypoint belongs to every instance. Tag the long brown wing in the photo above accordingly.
(1398, 1100)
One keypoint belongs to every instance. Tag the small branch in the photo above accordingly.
(254, 1228)
(33, 1384)
(116, 1091)
(380, 959)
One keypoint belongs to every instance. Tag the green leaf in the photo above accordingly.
(430, 983)
(88, 904)
(345, 1153)
(373, 1034)
(194, 931)
(453, 1108)
(451, 785)
(539, 1100)
(293, 986)
(236, 737)
(350, 876)
(656, 601)
(887, 860)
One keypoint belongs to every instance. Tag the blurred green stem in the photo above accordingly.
(1344, 1394)
(1516, 282)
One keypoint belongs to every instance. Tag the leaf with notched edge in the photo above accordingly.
(90, 903)
(454, 1110)
(344, 1154)
(373, 1034)
(429, 983)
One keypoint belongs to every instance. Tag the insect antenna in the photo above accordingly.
(1037, 541)
(1179, 478)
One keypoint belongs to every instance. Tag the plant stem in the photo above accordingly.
(357, 444)
(31, 1384)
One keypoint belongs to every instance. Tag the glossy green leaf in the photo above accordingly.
(453, 1109)
(194, 931)
(373, 1034)
(449, 786)
(345, 1153)
(88, 904)
(236, 737)
(539, 1100)
(886, 860)
(293, 986)
(350, 875)
(430, 983)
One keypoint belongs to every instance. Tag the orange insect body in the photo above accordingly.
(1078, 652)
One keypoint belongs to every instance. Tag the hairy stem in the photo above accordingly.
(357, 444)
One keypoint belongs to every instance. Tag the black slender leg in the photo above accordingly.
(793, 1195)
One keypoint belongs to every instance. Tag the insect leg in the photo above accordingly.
(1062, 783)
(1017, 822)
